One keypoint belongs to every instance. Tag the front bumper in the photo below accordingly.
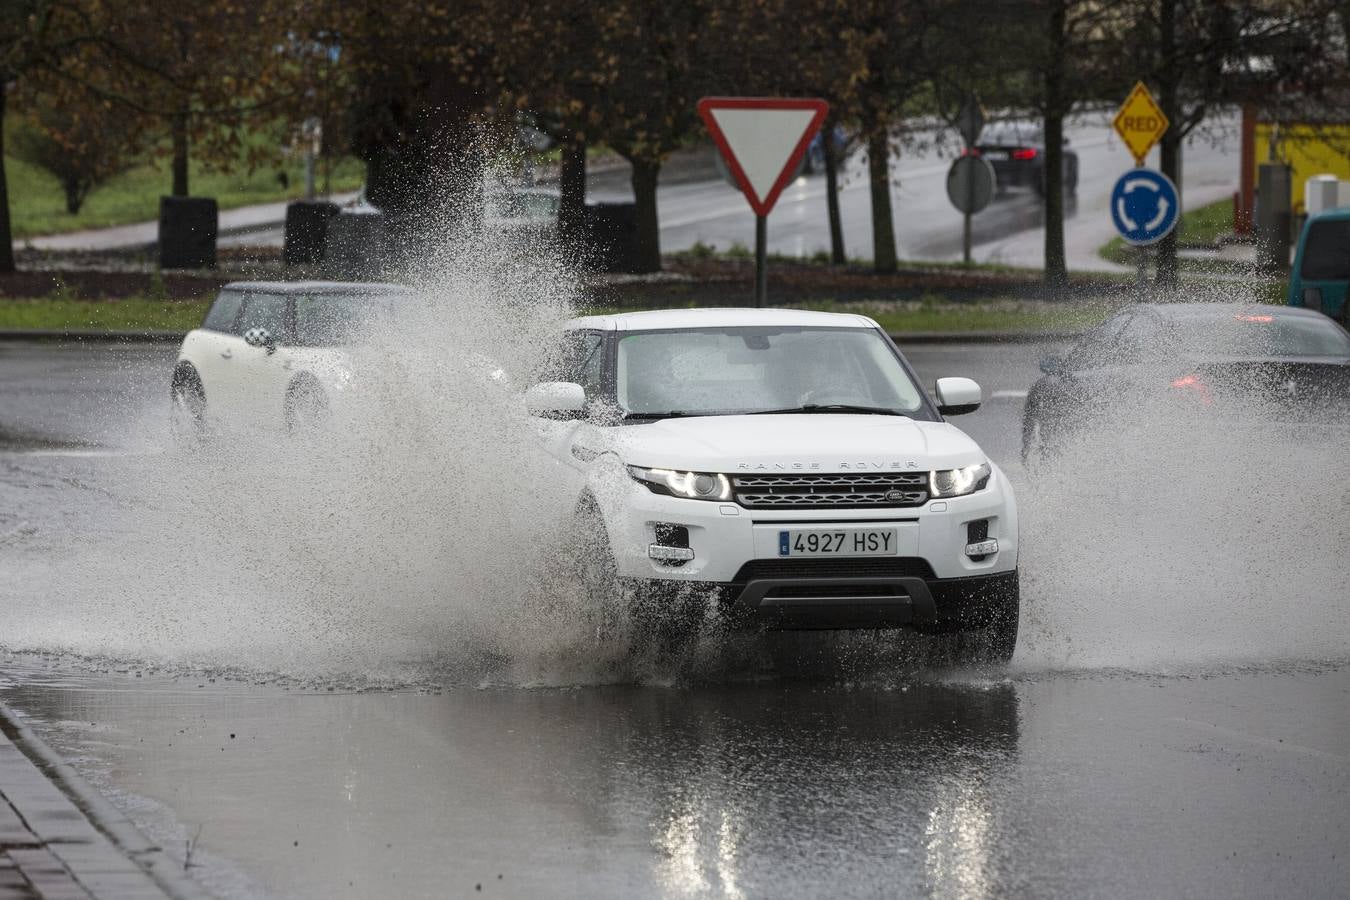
(724, 537)
(854, 602)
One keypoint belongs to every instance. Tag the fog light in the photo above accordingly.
(981, 549)
(669, 554)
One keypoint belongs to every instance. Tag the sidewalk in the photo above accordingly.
(60, 839)
(146, 234)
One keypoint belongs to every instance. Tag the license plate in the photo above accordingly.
(838, 542)
(995, 154)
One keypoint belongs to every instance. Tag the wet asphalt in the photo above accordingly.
(832, 769)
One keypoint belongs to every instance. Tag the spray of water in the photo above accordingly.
(414, 532)
(1170, 532)
(422, 534)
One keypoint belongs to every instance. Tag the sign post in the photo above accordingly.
(1140, 124)
(969, 122)
(1144, 208)
(762, 140)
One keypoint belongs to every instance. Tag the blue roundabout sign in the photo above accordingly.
(1144, 206)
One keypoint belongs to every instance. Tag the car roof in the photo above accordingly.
(310, 288)
(1224, 310)
(1337, 214)
(660, 319)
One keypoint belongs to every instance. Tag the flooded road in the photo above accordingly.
(1218, 784)
(298, 730)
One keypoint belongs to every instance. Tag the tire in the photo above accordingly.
(591, 563)
(1034, 450)
(643, 616)
(306, 409)
(992, 640)
(187, 411)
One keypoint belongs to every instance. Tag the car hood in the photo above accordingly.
(778, 443)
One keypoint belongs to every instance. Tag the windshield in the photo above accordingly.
(331, 320)
(1326, 251)
(1247, 334)
(723, 371)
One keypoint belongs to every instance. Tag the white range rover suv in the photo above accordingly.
(787, 464)
(270, 353)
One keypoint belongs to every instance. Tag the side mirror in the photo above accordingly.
(555, 397)
(260, 337)
(957, 396)
(1052, 365)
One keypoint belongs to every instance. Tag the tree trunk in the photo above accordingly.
(1056, 104)
(645, 175)
(1168, 76)
(837, 255)
(74, 196)
(180, 154)
(6, 236)
(572, 188)
(883, 225)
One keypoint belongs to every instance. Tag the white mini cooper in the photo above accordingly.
(268, 352)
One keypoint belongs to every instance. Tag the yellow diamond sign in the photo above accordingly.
(1140, 122)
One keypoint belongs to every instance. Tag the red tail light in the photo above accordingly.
(1196, 386)
(1024, 153)
(971, 151)
(1263, 319)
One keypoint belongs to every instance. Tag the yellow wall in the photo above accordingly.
(1311, 150)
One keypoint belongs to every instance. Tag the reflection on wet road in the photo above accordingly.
(1040, 785)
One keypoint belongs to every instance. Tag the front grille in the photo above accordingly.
(875, 566)
(845, 491)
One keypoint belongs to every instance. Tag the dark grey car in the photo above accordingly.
(1016, 150)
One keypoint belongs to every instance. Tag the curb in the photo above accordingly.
(92, 337)
(100, 812)
(900, 337)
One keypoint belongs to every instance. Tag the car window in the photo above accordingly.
(1098, 346)
(265, 311)
(223, 312)
(755, 369)
(578, 358)
(329, 320)
(1253, 334)
(1326, 251)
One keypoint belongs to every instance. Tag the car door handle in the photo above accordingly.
(226, 354)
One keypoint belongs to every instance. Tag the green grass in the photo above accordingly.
(1198, 227)
(62, 313)
(132, 314)
(935, 314)
(37, 203)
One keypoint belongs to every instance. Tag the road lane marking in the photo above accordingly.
(90, 453)
(1264, 742)
(1017, 395)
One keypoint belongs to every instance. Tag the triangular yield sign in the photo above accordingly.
(762, 140)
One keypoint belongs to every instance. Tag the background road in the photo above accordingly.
(1009, 231)
(1114, 758)
(699, 209)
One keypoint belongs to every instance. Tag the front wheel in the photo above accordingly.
(597, 575)
(992, 638)
(306, 408)
(187, 409)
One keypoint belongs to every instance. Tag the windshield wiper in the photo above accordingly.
(672, 414)
(831, 408)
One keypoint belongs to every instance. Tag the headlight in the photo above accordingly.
(692, 485)
(958, 482)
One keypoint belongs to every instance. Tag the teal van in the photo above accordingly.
(1321, 272)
